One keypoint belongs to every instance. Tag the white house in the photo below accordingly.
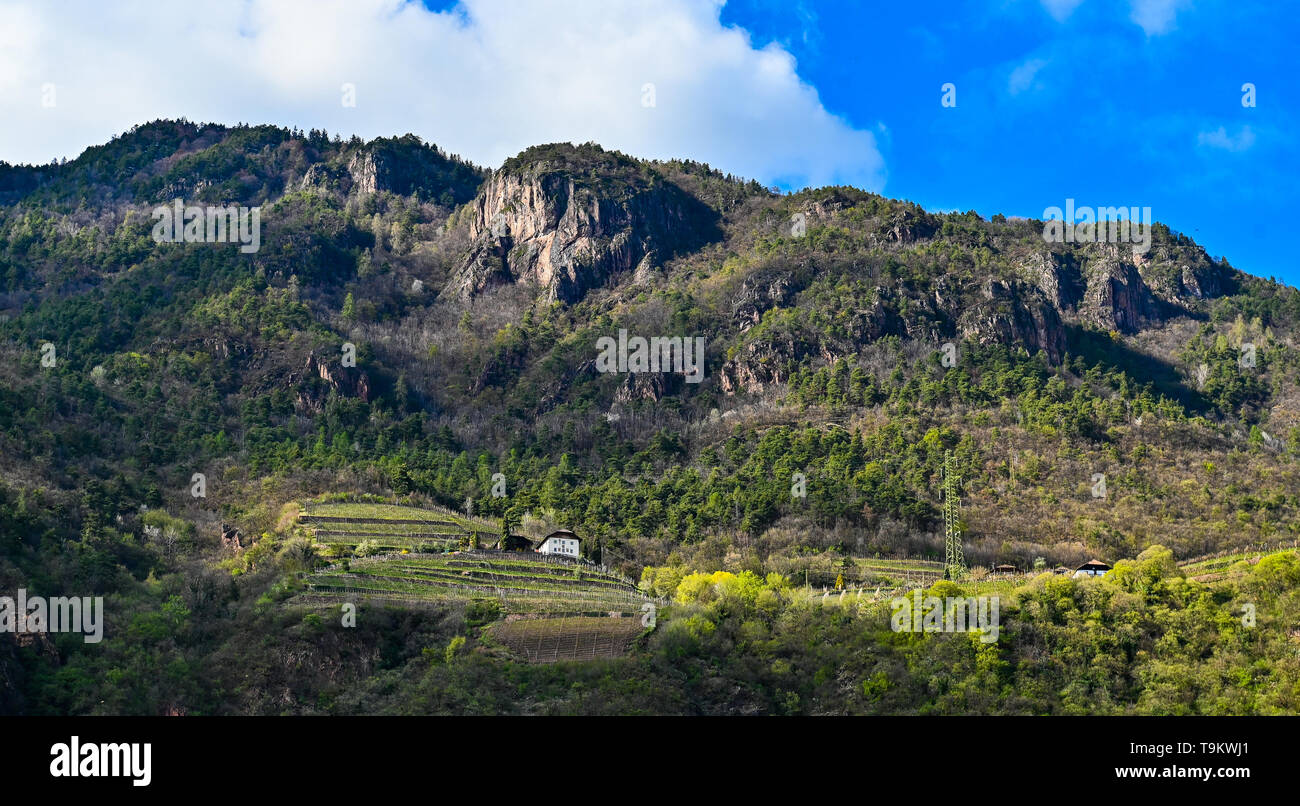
(562, 542)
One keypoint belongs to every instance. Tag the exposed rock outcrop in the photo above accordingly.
(402, 165)
(1057, 276)
(889, 223)
(1117, 297)
(1113, 288)
(569, 219)
(759, 366)
(231, 538)
(759, 294)
(767, 362)
(1014, 313)
(321, 177)
(649, 386)
(370, 174)
(318, 378)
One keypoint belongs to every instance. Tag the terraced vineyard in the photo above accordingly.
(547, 640)
(393, 527)
(521, 583)
(574, 611)
(875, 579)
(894, 573)
(888, 575)
(1215, 567)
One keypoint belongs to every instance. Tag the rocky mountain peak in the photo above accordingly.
(569, 218)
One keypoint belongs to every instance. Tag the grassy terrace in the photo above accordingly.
(380, 512)
(1211, 569)
(523, 585)
(900, 564)
(521, 582)
(392, 526)
(889, 572)
(547, 640)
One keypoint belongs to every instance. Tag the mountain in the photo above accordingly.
(568, 219)
(849, 342)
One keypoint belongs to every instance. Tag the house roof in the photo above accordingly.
(1093, 564)
(564, 533)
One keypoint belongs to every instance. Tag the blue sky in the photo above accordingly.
(1109, 102)
(1088, 105)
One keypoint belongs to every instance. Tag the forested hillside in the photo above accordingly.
(850, 341)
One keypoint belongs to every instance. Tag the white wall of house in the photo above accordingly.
(563, 546)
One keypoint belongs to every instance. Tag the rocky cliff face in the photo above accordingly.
(1117, 297)
(759, 293)
(1100, 286)
(1057, 276)
(318, 378)
(760, 366)
(1109, 287)
(401, 166)
(653, 387)
(1014, 313)
(370, 174)
(569, 228)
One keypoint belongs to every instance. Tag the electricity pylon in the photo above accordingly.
(954, 560)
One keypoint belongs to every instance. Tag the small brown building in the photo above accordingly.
(516, 543)
(1092, 568)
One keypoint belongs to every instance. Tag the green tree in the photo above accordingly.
(509, 520)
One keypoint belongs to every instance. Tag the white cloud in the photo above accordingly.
(1220, 139)
(484, 80)
(1060, 9)
(1156, 16)
(1022, 78)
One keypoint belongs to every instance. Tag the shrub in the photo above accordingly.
(299, 554)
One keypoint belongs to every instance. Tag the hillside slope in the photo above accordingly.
(850, 340)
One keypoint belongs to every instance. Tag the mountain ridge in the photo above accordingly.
(389, 246)
(167, 410)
